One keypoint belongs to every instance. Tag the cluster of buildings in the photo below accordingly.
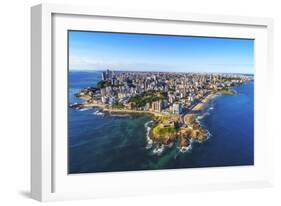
(180, 91)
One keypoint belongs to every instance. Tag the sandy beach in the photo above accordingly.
(201, 104)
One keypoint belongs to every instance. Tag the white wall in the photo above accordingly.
(14, 104)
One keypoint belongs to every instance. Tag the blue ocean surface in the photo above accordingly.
(107, 143)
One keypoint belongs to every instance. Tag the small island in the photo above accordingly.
(173, 100)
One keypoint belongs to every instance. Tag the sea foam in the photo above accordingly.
(148, 139)
(84, 109)
(158, 150)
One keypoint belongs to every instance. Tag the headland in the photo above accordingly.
(172, 99)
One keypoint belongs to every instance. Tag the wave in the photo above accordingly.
(208, 135)
(84, 109)
(170, 145)
(202, 116)
(185, 149)
(159, 150)
(147, 123)
(98, 113)
(148, 139)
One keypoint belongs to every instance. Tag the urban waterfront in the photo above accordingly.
(102, 141)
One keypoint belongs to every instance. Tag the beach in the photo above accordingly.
(200, 105)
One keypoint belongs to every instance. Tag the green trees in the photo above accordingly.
(102, 84)
(147, 97)
(118, 105)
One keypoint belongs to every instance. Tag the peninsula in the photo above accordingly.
(173, 100)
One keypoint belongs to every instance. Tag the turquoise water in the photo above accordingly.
(118, 143)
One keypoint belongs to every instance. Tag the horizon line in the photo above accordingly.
(200, 72)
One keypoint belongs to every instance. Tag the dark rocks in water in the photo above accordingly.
(76, 106)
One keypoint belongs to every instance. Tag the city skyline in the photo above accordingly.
(159, 53)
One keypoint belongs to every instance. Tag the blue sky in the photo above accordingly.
(136, 52)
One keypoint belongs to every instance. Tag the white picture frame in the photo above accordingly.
(49, 180)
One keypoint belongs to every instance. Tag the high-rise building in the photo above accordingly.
(165, 104)
(108, 90)
(103, 92)
(177, 108)
(103, 76)
(157, 106)
(108, 74)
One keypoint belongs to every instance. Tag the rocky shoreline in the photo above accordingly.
(193, 131)
(167, 129)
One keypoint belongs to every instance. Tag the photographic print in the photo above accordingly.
(150, 102)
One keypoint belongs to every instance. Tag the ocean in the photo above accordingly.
(110, 143)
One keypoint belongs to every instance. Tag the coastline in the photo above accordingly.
(111, 110)
(199, 106)
(112, 132)
(184, 136)
(202, 103)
